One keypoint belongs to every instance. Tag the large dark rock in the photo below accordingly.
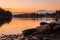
(47, 31)
(29, 32)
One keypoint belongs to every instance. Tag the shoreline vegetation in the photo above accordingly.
(47, 31)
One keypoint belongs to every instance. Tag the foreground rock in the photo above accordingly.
(47, 31)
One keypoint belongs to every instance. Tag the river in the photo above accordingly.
(17, 25)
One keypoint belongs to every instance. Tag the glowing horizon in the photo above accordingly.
(30, 5)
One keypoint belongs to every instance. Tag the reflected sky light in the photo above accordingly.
(16, 26)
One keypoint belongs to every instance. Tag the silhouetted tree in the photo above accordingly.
(5, 16)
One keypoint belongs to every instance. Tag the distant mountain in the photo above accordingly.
(15, 13)
(39, 11)
(45, 11)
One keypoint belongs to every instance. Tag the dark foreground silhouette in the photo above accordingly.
(5, 16)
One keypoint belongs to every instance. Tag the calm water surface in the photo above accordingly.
(17, 25)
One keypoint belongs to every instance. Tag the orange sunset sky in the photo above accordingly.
(29, 5)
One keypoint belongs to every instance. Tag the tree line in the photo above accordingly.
(39, 15)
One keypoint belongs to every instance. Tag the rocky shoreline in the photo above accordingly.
(47, 31)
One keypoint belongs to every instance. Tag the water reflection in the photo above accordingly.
(17, 25)
(48, 20)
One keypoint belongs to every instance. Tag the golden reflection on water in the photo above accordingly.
(16, 26)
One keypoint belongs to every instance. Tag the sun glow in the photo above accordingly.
(29, 5)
